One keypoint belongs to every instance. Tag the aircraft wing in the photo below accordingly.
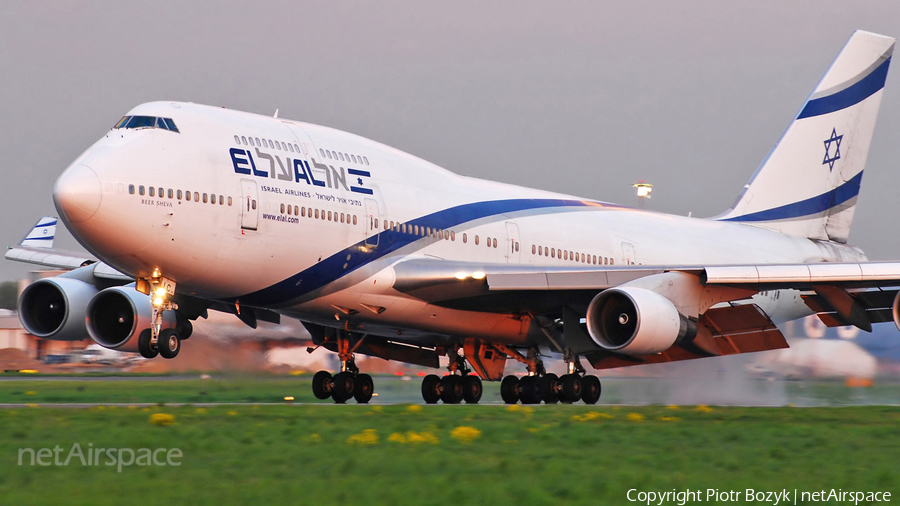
(715, 297)
(37, 248)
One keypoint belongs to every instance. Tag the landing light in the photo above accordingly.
(461, 276)
(477, 275)
(160, 291)
(158, 301)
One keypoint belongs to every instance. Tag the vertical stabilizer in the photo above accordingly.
(809, 183)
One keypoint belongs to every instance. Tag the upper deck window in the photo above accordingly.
(147, 122)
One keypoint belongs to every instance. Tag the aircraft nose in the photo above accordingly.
(77, 193)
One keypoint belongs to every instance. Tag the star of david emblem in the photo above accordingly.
(836, 140)
(359, 181)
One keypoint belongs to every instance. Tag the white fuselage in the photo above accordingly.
(255, 249)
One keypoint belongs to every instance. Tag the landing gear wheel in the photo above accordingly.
(590, 389)
(548, 388)
(321, 385)
(363, 389)
(342, 389)
(185, 330)
(169, 345)
(509, 389)
(529, 390)
(453, 389)
(147, 351)
(431, 389)
(472, 389)
(571, 388)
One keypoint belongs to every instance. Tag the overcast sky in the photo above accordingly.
(577, 97)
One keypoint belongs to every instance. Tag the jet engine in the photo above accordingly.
(636, 321)
(117, 316)
(54, 308)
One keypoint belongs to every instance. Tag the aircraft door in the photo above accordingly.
(249, 205)
(372, 223)
(512, 255)
(628, 253)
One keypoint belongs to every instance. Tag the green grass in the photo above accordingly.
(522, 455)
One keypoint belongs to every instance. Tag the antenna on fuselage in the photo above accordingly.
(276, 113)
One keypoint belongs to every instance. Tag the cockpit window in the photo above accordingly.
(147, 122)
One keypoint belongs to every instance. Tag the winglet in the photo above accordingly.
(42, 235)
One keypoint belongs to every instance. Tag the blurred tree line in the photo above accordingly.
(8, 294)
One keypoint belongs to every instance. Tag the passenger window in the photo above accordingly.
(296, 211)
(253, 204)
(257, 141)
(151, 191)
(354, 219)
(427, 231)
(229, 201)
(205, 198)
(291, 148)
(237, 139)
(221, 200)
(272, 144)
(282, 208)
(533, 249)
(612, 262)
(465, 238)
(131, 189)
(341, 156)
(452, 236)
(329, 218)
(161, 193)
(517, 246)
(488, 242)
(353, 157)
(212, 199)
(169, 193)
(321, 152)
(495, 242)
(244, 140)
(303, 212)
(317, 214)
(552, 252)
(476, 240)
(197, 197)
(178, 194)
(296, 148)
(187, 196)
(366, 160)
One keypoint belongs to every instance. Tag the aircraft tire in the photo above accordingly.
(571, 388)
(529, 390)
(144, 345)
(590, 389)
(363, 389)
(452, 389)
(548, 388)
(431, 391)
(321, 385)
(169, 344)
(342, 389)
(509, 389)
(473, 389)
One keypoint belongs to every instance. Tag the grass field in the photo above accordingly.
(411, 454)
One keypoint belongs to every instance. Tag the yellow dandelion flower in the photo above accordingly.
(513, 408)
(669, 419)
(232, 413)
(413, 408)
(671, 406)
(635, 417)
(31, 392)
(200, 411)
(465, 434)
(162, 419)
(397, 438)
(366, 437)
(704, 409)
(313, 438)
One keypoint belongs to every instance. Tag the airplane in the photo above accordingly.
(188, 208)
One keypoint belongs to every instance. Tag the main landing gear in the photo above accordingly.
(540, 385)
(347, 383)
(455, 387)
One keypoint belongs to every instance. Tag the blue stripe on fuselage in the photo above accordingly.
(808, 207)
(359, 255)
(852, 95)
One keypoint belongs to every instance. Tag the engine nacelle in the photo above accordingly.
(117, 316)
(896, 310)
(636, 321)
(55, 308)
